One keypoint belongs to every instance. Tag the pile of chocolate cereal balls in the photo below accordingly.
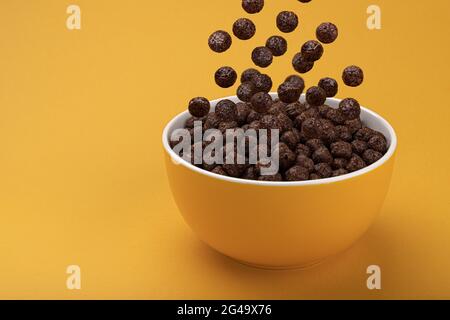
(316, 141)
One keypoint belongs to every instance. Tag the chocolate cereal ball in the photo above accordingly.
(355, 163)
(323, 170)
(226, 111)
(296, 81)
(297, 173)
(244, 29)
(288, 92)
(278, 45)
(225, 77)
(305, 162)
(371, 156)
(353, 76)
(377, 143)
(339, 172)
(350, 108)
(263, 83)
(261, 102)
(300, 64)
(199, 107)
(322, 155)
(291, 138)
(327, 32)
(330, 86)
(316, 96)
(312, 50)
(249, 75)
(359, 146)
(262, 57)
(341, 149)
(220, 41)
(252, 6)
(287, 21)
(246, 91)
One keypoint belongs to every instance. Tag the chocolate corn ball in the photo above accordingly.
(249, 75)
(327, 32)
(359, 146)
(311, 112)
(293, 110)
(278, 45)
(300, 64)
(377, 143)
(262, 57)
(339, 172)
(353, 125)
(339, 163)
(253, 116)
(341, 149)
(291, 138)
(353, 76)
(277, 107)
(212, 121)
(270, 122)
(303, 149)
(336, 116)
(322, 155)
(263, 83)
(327, 131)
(312, 50)
(244, 29)
(305, 162)
(220, 171)
(364, 134)
(225, 77)
(243, 110)
(226, 111)
(323, 110)
(286, 156)
(330, 86)
(314, 176)
(220, 41)
(297, 173)
(271, 178)
(296, 81)
(371, 156)
(310, 128)
(246, 91)
(286, 124)
(199, 107)
(316, 96)
(287, 21)
(343, 133)
(323, 170)
(350, 108)
(355, 163)
(227, 125)
(252, 6)
(288, 92)
(261, 102)
(315, 144)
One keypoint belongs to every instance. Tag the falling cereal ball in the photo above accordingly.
(226, 111)
(263, 83)
(199, 107)
(296, 81)
(287, 21)
(262, 57)
(312, 50)
(278, 45)
(353, 76)
(249, 75)
(350, 108)
(246, 91)
(252, 6)
(244, 29)
(288, 92)
(225, 77)
(330, 86)
(315, 96)
(300, 64)
(327, 32)
(220, 41)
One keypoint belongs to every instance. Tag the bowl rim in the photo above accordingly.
(179, 161)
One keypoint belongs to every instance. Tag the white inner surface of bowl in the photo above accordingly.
(368, 117)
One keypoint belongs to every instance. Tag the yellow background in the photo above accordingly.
(82, 178)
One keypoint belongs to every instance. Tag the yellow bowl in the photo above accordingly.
(280, 225)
